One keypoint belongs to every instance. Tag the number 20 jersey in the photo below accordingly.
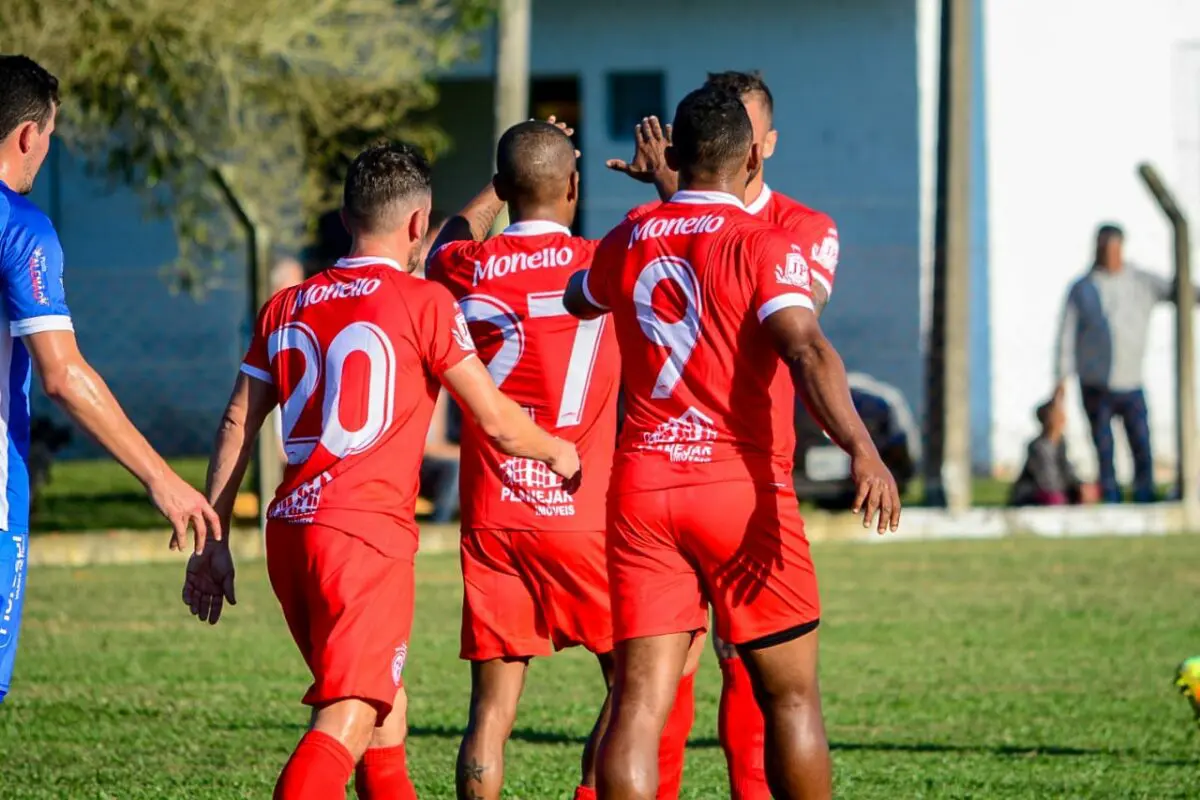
(565, 372)
(356, 354)
(707, 397)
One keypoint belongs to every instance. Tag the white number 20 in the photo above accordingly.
(357, 337)
(678, 337)
(485, 308)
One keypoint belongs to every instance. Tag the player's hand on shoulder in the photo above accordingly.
(877, 492)
(565, 464)
(208, 583)
(651, 139)
(184, 506)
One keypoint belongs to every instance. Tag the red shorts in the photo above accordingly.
(349, 608)
(738, 545)
(523, 590)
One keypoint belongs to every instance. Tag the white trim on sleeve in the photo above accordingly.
(789, 300)
(52, 322)
(255, 372)
(587, 293)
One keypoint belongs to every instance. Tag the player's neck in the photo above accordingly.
(538, 213)
(370, 247)
(713, 185)
(755, 188)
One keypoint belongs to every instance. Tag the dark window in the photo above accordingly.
(632, 96)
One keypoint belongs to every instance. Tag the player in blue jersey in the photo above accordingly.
(36, 333)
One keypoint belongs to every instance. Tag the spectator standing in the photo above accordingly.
(1103, 340)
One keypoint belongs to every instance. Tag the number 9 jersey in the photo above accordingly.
(707, 397)
(565, 372)
(356, 353)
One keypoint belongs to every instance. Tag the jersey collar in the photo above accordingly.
(761, 201)
(535, 227)
(367, 261)
(705, 198)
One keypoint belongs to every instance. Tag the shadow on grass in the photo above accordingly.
(1011, 751)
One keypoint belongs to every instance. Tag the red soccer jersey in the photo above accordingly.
(356, 353)
(707, 397)
(813, 230)
(565, 372)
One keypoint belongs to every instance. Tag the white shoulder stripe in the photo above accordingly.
(52, 322)
(255, 372)
(789, 300)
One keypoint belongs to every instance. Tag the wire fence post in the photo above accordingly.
(1187, 475)
(513, 21)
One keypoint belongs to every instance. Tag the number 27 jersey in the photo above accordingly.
(355, 354)
(563, 371)
(707, 397)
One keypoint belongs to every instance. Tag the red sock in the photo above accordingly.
(383, 775)
(318, 770)
(585, 793)
(742, 731)
(674, 740)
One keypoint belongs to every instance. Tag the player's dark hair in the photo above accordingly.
(712, 133)
(742, 84)
(28, 93)
(534, 159)
(382, 177)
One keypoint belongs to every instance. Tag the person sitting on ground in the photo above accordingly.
(1048, 478)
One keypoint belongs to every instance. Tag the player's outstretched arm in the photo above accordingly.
(71, 382)
(506, 423)
(821, 378)
(208, 582)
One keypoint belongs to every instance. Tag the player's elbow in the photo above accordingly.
(57, 382)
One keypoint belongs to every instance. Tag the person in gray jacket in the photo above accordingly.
(1103, 340)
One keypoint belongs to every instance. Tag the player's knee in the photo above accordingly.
(351, 722)
(493, 719)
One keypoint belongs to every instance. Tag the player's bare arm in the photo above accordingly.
(508, 426)
(576, 299)
(475, 221)
(649, 164)
(821, 378)
(208, 583)
(820, 298)
(70, 381)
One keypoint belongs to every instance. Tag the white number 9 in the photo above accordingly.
(678, 337)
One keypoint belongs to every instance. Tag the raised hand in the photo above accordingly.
(651, 140)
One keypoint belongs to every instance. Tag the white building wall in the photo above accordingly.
(1079, 93)
(846, 78)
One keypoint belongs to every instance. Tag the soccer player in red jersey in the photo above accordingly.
(354, 357)
(740, 723)
(533, 563)
(714, 318)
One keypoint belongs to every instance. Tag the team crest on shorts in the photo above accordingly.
(398, 662)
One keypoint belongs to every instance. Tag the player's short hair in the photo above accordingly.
(383, 179)
(28, 93)
(743, 84)
(534, 159)
(711, 132)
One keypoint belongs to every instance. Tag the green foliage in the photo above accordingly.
(250, 106)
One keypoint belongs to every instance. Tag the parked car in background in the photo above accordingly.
(822, 471)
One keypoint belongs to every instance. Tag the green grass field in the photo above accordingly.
(1013, 669)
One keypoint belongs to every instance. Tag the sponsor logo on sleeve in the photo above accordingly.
(826, 253)
(462, 334)
(37, 277)
(794, 271)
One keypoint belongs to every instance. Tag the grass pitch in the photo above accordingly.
(1012, 669)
